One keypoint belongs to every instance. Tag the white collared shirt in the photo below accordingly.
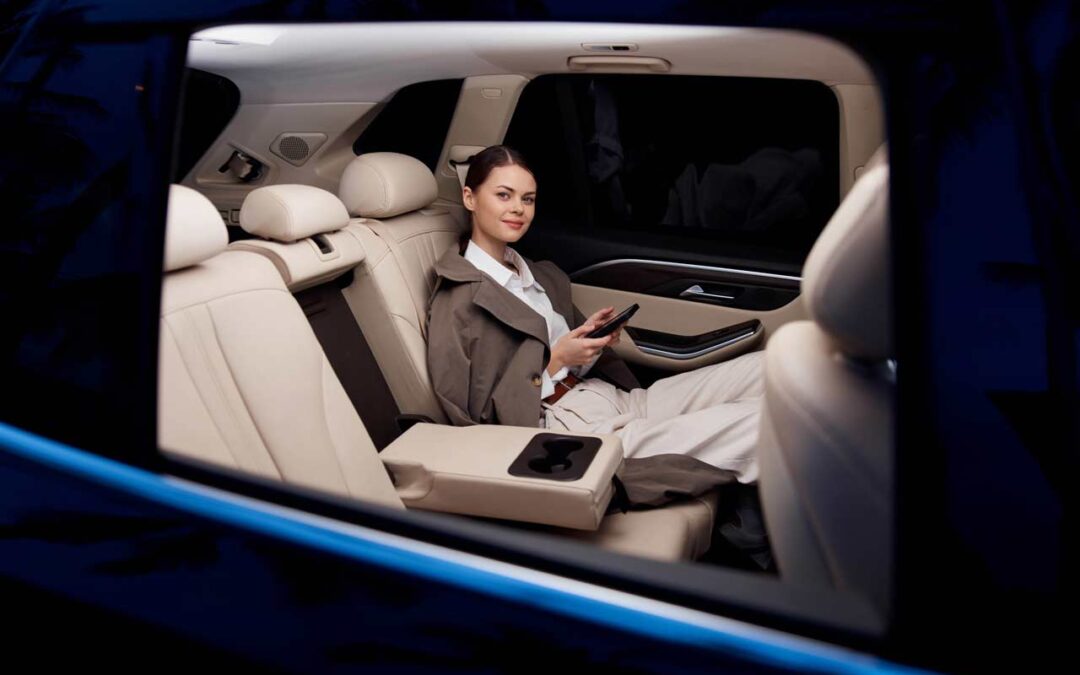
(527, 289)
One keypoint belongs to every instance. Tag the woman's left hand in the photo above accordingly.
(602, 316)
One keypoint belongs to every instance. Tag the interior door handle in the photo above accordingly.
(696, 291)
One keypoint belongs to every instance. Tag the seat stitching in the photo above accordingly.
(427, 232)
(204, 353)
(384, 202)
(323, 366)
(240, 393)
(198, 392)
(223, 296)
(289, 233)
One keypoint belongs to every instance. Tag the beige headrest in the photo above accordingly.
(386, 184)
(288, 213)
(194, 230)
(847, 276)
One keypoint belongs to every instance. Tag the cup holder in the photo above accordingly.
(556, 457)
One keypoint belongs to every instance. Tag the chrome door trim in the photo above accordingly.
(747, 274)
(679, 356)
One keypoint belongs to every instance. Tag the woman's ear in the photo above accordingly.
(468, 198)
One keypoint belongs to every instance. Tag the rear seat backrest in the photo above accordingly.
(403, 237)
(243, 382)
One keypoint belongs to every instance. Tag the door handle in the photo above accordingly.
(696, 291)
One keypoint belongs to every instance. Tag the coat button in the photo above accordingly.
(537, 381)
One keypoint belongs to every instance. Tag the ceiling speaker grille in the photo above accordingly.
(294, 148)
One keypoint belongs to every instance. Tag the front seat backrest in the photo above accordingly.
(826, 443)
(243, 382)
(390, 196)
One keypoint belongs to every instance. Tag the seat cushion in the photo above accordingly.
(675, 532)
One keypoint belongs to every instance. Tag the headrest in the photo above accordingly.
(386, 184)
(847, 276)
(194, 230)
(287, 213)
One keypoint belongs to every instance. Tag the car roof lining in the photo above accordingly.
(352, 62)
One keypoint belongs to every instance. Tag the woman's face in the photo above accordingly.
(503, 205)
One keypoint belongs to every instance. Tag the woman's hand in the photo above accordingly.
(574, 349)
(602, 316)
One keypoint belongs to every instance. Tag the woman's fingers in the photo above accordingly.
(600, 315)
(596, 344)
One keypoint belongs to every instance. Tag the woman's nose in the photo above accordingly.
(517, 206)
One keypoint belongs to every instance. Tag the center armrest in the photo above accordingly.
(513, 473)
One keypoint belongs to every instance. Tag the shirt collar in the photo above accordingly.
(496, 270)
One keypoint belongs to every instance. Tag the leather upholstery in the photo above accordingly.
(465, 470)
(303, 264)
(825, 447)
(681, 531)
(389, 297)
(243, 382)
(846, 279)
(386, 184)
(194, 230)
(287, 213)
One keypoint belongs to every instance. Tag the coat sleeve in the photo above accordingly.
(449, 356)
(609, 366)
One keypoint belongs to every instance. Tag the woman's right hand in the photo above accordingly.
(574, 349)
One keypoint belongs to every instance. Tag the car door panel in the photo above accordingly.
(686, 318)
(726, 286)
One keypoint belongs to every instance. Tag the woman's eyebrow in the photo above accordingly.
(507, 187)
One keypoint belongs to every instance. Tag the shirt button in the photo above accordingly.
(537, 381)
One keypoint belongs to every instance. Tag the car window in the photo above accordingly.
(740, 160)
(210, 101)
(414, 122)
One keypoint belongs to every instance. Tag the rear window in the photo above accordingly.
(741, 160)
(210, 101)
(414, 122)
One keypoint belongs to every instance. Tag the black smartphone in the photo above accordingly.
(612, 325)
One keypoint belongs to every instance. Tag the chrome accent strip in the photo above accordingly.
(678, 356)
(696, 291)
(687, 266)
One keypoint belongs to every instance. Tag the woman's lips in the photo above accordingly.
(514, 224)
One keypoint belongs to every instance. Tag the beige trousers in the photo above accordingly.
(710, 413)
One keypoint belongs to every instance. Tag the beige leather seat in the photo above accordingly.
(826, 451)
(243, 382)
(404, 235)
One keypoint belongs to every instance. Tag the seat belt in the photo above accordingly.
(462, 170)
(458, 157)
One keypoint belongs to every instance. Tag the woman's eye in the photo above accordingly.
(529, 200)
(502, 195)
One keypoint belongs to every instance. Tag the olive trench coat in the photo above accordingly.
(487, 348)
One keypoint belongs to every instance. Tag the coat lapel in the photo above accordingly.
(496, 300)
(504, 306)
(557, 286)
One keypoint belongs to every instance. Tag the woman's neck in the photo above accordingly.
(493, 247)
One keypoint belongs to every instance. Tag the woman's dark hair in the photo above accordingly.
(491, 157)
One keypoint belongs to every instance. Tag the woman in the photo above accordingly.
(501, 349)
